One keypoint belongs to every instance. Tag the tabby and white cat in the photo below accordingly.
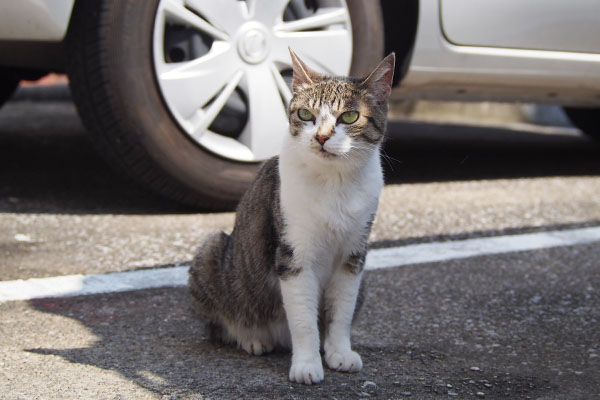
(289, 274)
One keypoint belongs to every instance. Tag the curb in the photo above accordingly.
(57, 92)
(487, 112)
(413, 110)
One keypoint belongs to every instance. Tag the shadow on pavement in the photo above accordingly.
(523, 329)
(48, 165)
(423, 152)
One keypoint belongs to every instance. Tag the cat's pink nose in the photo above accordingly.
(322, 139)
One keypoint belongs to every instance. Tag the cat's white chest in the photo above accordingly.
(326, 213)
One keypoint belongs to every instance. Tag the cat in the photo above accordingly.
(289, 275)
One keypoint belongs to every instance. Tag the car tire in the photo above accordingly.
(114, 86)
(586, 119)
(8, 84)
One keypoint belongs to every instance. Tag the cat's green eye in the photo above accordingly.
(349, 117)
(305, 115)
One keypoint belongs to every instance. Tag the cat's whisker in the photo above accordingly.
(387, 158)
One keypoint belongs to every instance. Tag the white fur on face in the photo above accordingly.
(338, 145)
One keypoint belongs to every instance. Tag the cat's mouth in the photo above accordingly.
(324, 153)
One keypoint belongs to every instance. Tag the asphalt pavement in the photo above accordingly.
(514, 324)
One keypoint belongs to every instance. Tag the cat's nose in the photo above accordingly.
(322, 139)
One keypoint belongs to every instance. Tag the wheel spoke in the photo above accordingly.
(320, 20)
(226, 146)
(175, 9)
(268, 122)
(227, 15)
(326, 51)
(205, 117)
(269, 12)
(283, 87)
(189, 86)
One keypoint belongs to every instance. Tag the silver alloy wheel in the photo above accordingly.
(236, 58)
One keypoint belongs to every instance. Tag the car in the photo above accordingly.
(187, 97)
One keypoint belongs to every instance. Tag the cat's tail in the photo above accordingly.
(206, 273)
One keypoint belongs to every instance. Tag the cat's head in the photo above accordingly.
(339, 118)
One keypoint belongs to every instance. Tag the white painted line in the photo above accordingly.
(77, 285)
(442, 251)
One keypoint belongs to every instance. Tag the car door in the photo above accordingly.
(558, 25)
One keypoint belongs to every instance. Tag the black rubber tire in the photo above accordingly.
(8, 84)
(109, 63)
(586, 119)
(368, 39)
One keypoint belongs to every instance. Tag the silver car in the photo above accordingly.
(188, 96)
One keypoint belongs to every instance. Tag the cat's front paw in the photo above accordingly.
(307, 371)
(345, 361)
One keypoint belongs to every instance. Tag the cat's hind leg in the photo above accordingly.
(253, 340)
(205, 278)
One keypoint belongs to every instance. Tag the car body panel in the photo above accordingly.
(443, 70)
(34, 20)
(557, 25)
(462, 51)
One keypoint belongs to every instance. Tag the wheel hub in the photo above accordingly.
(253, 42)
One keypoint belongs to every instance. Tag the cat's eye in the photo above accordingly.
(305, 115)
(349, 117)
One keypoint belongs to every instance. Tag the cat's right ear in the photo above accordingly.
(302, 74)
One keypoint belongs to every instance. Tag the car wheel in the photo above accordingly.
(586, 119)
(189, 96)
(8, 84)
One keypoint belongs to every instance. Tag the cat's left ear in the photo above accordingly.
(379, 82)
(302, 74)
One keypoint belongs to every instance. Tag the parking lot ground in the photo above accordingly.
(511, 325)
(521, 325)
